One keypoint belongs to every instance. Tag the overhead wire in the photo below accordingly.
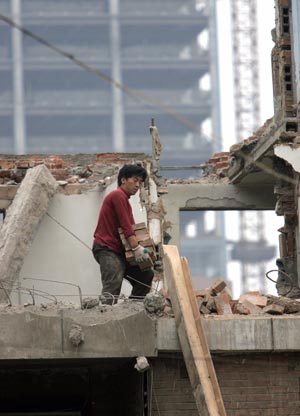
(136, 94)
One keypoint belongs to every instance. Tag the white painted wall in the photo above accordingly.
(290, 154)
(57, 255)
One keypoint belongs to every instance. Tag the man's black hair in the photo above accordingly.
(128, 171)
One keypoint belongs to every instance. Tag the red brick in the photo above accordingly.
(221, 154)
(274, 309)
(248, 308)
(4, 173)
(61, 173)
(217, 286)
(220, 165)
(7, 164)
(105, 156)
(73, 179)
(222, 302)
(255, 298)
(23, 164)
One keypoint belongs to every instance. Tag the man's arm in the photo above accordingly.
(133, 241)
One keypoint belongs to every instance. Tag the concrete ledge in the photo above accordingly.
(119, 331)
(126, 330)
(239, 333)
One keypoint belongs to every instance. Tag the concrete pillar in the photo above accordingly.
(117, 96)
(21, 221)
(18, 81)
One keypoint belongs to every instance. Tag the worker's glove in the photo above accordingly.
(141, 254)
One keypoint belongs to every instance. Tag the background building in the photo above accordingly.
(142, 59)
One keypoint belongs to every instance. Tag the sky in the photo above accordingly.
(266, 22)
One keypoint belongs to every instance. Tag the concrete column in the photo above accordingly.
(117, 96)
(18, 81)
(21, 222)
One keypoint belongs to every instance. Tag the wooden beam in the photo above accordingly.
(191, 335)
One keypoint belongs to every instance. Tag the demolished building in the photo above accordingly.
(59, 358)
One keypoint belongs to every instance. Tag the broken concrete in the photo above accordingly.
(290, 153)
(125, 330)
(21, 221)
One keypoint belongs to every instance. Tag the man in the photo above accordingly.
(108, 250)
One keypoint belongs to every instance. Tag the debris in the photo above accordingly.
(210, 304)
(154, 303)
(62, 183)
(274, 309)
(73, 179)
(222, 303)
(76, 335)
(248, 308)
(254, 297)
(89, 303)
(141, 364)
(218, 286)
(204, 310)
(290, 305)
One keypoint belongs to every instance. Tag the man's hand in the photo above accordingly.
(141, 254)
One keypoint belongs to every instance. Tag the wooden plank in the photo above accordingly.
(202, 337)
(191, 335)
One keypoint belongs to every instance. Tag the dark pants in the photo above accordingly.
(114, 268)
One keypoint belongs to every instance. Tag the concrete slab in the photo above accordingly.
(27, 334)
(286, 330)
(224, 334)
(126, 330)
(118, 331)
(22, 219)
(239, 333)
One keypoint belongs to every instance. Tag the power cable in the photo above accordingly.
(70, 232)
(136, 94)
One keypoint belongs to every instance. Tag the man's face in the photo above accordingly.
(132, 185)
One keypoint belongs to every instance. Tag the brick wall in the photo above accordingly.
(171, 389)
(259, 384)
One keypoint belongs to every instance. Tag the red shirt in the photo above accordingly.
(115, 212)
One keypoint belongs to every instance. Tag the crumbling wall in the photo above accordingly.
(284, 86)
(284, 58)
(21, 222)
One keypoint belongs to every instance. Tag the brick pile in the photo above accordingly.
(144, 240)
(217, 300)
